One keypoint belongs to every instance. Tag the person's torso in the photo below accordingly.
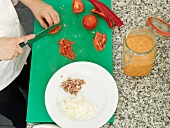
(9, 22)
(10, 28)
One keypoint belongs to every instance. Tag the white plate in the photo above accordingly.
(100, 89)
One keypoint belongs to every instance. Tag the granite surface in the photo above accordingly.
(144, 102)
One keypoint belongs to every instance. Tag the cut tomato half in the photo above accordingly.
(55, 30)
(77, 6)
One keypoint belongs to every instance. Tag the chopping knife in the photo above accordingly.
(39, 35)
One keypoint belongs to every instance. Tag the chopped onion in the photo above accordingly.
(78, 108)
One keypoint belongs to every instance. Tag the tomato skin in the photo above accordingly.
(89, 22)
(55, 30)
(99, 41)
(77, 6)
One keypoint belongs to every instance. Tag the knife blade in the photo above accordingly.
(39, 35)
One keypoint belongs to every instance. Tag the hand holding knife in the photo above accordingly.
(30, 39)
(39, 35)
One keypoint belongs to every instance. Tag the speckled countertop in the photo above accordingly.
(144, 102)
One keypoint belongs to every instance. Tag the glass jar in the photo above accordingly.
(139, 47)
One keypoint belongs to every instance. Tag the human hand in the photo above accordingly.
(43, 11)
(9, 47)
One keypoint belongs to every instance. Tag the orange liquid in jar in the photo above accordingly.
(140, 65)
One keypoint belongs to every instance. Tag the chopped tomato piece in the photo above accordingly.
(55, 30)
(99, 41)
(66, 48)
(77, 6)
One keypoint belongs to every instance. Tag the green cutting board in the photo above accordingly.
(46, 59)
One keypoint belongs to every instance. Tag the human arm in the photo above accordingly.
(42, 11)
(9, 47)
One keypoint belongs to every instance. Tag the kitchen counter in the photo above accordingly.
(144, 102)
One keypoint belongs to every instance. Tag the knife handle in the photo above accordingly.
(23, 44)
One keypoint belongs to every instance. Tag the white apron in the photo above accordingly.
(10, 27)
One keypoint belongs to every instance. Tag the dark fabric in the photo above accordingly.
(23, 78)
(12, 102)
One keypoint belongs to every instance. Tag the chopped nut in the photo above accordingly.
(73, 86)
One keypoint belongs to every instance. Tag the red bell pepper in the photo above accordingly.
(102, 10)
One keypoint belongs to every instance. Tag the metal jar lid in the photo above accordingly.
(159, 25)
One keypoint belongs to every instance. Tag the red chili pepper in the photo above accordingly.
(102, 8)
(109, 22)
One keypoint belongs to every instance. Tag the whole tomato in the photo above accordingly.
(89, 22)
